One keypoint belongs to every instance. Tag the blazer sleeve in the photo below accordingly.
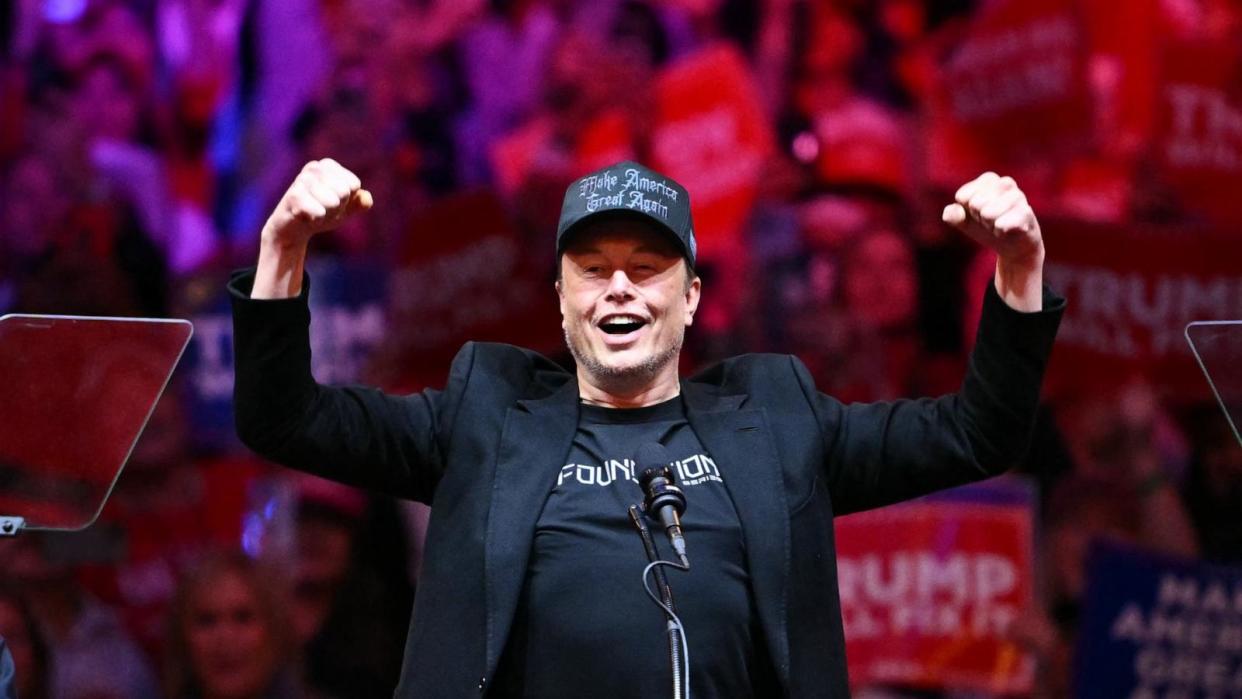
(886, 452)
(355, 435)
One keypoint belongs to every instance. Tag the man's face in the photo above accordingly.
(625, 302)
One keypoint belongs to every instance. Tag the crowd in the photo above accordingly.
(143, 143)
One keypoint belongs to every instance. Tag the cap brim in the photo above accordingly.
(614, 214)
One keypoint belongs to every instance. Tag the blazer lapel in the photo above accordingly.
(740, 442)
(535, 441)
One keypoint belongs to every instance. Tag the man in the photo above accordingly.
(531, 580)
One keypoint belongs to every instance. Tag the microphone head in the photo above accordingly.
(657, 480)
(651, 456)
(651, 462)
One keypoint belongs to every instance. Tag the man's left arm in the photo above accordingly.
(881, 453)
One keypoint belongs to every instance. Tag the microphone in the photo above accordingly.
(664, 500)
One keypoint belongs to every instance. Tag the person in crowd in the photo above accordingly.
(351, 590)
(850, 311)
(25, 668)
(842, 137)
(880, 302)
(1213, 488)
(37, 199)
(229, 635)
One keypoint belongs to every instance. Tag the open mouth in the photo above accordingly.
(621, 324)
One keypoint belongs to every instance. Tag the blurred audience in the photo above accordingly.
(89, 653)
(166, 510)
(1126, 441)
(142, 144)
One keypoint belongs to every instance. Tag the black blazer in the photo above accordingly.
(486, 450)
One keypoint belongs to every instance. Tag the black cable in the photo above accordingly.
(674, 622)
(678, 646)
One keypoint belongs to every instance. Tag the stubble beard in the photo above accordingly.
(625, 378)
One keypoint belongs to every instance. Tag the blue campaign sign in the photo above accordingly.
(347, 324)
(1158, 628)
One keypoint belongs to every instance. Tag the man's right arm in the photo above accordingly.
(355, 435)
(323, 194)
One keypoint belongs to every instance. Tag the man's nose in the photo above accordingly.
(619, 285)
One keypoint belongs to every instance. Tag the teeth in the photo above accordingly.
(620, 319)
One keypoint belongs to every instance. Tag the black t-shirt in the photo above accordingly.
(584, 626)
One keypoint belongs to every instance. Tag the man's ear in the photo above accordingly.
(560, 298)
(692, 299)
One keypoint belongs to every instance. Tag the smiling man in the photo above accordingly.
(627, 295)
(531, 577)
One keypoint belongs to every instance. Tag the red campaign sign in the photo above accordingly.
(1199, 128)
(606, 139)
(1016, 83)
(928, 591)
(712, 136)
(1131, 291)
(1124, 67)
(466, 273)
(514, 154)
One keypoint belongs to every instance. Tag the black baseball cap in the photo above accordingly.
(629, 189)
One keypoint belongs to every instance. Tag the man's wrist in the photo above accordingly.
(272, 239)
(1020, 281)
(278, 273)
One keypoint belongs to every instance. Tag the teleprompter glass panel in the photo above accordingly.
(75, 393)
(1217, 345)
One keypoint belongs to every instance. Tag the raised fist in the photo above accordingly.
(323, 194)
(992, 210)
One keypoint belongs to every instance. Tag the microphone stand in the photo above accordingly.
(681, 684)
